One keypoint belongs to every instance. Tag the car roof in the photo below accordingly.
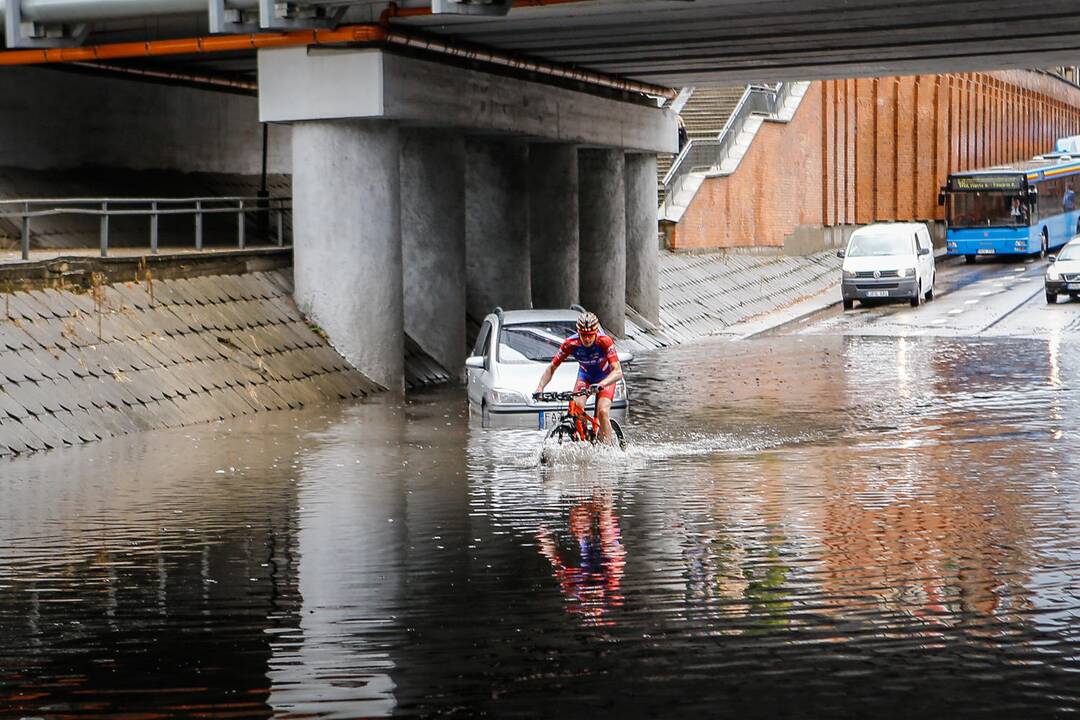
(512, 317)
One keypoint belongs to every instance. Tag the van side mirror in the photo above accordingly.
(924, 251)
(476, 362)
(1051, 258)
(839, 253)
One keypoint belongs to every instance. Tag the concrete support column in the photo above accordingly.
(553, 224)
(496, 226)
(347, 240)
(602, 226)
(433, 243)
(642, 243)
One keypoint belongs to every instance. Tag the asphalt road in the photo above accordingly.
(989, 298)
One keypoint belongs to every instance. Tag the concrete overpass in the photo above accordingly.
(448, 156)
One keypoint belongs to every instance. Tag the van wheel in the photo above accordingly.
(1051, 298)
(917, 299)
(848, 304)
(930, 292)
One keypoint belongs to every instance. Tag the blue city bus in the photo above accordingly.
(1029, 207)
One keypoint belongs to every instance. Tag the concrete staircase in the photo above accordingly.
(704, 114)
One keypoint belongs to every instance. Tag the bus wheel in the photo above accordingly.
(969, 258)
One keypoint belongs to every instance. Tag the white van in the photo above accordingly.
(888, 260)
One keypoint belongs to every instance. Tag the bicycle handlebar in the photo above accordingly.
(565, 395)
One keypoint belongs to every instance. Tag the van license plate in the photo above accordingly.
(877, 293)
(987, 251)
(1072, 286)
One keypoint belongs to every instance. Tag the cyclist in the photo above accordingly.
(598, 368)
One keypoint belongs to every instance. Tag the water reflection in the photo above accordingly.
(862, 526)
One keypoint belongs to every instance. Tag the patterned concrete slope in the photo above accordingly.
(74, 231)
(704, 294)
(76, 367)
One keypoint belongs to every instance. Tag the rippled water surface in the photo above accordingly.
(819, 526)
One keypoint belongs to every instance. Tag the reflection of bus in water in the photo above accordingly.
(1029, 207)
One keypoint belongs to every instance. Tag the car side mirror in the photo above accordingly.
(476, 362)
(625, 357)
(1052, 258)
(839, 253)
(924, 251)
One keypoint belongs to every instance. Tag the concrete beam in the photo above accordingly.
(553, 224)
(433, 243)
(642, 242)
(312, 83)
(347, 241)
(602, 211)
(496, 226)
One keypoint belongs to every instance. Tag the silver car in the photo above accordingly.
(510, 355)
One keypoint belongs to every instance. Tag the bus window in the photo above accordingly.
(1050, 198)
(984, 209)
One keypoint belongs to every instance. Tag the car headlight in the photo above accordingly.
(507, 397)
(1053, 274)
(905, 272)
(849, 273)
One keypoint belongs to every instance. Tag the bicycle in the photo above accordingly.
(576, 424)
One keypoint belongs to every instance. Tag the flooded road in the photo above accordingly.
(806, 525)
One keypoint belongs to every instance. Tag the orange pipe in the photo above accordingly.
(193, 46)
(347, 34)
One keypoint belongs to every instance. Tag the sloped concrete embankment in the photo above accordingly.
(125, 357)
(703, 295)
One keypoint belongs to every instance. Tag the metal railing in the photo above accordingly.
(702, 155)
(26, 209)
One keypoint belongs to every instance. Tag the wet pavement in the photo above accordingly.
(861, 517)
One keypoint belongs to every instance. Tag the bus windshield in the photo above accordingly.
(987, 209)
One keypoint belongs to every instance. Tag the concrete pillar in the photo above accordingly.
(347, 240)
(553, 224)
(433, 243)
(496, 226)
(642, 243)
(602, 225)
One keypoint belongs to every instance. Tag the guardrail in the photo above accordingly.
(701, 155)
(152, 208)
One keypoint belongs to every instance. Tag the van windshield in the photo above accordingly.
(533, 341)
(880, 244)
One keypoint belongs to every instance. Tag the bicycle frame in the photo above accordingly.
(586, 426)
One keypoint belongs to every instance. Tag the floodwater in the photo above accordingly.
(805, 526)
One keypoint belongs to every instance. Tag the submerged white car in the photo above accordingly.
(888, 260)
(510, 355)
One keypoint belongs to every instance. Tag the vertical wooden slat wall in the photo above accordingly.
(889, 143)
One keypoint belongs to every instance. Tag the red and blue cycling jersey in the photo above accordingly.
(595, 362)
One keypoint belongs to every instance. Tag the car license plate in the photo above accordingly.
(1072, 286)
(547, 419)
(877, 293)
(987, 251)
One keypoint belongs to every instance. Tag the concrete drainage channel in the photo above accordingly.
(82, 364)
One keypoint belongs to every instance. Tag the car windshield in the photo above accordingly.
(533, 341)
(987, 209)
(1070, 252)
(879, 244)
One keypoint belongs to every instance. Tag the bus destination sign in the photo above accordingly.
(987, 182)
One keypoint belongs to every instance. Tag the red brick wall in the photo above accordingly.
(873, 149)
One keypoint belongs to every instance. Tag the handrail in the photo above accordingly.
(704, 154)
(105, 208)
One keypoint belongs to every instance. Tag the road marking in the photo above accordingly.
(988, 292)
(970, 302)
(939, 321)
(955, 312)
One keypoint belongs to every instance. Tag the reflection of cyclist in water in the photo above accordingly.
(590, 576)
